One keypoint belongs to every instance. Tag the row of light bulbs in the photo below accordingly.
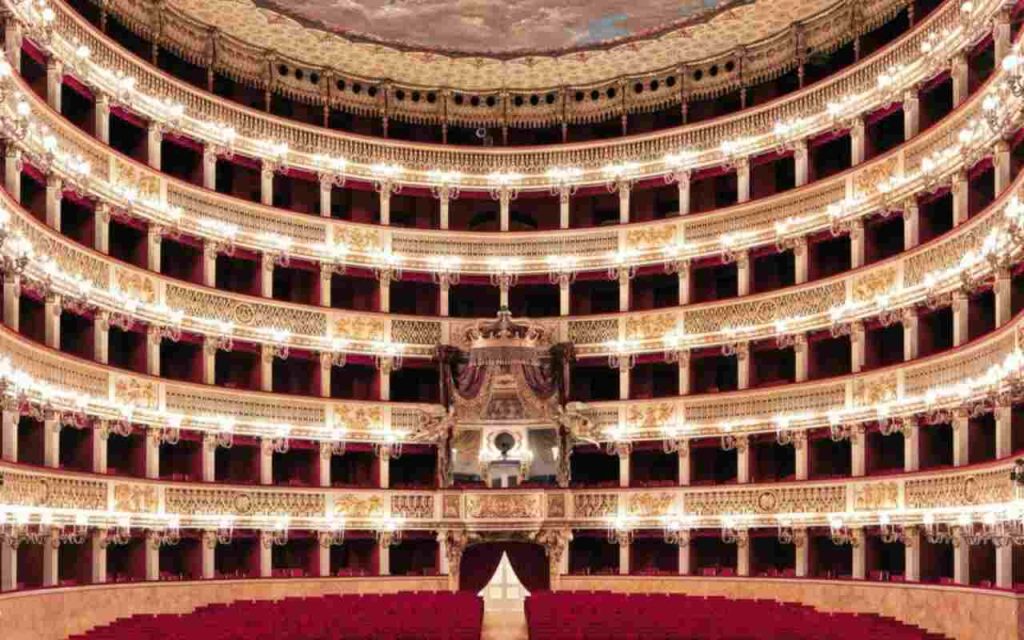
(77, 171)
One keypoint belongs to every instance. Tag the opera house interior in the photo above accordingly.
(474, 320)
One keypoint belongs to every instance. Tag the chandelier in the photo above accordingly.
(620, 531)
(389, 533)
(334, 535)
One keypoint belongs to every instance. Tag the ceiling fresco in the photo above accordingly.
(496, 27)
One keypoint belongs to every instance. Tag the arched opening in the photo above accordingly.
(480, 562)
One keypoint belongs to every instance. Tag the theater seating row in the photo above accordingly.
(608, 616)
(401, 616)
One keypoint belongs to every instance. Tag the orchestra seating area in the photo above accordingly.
(399, 616)
(613, 616)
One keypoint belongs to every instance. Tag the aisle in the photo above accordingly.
(504, 625)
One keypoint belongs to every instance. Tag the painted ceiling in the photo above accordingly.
(494, 27)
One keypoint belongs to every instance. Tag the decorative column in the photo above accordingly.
(152, 454)
(51, 559)
(51, 321)
(857, 346)
(625, 274)
(912, 555)
(959, 75)
(208, 545)
(154, 145)
(1004, 567)
(624, 187)
(326, 366)
(154, 238)
(682, 271)
(12, 301)
(8, 565)
(101, 228)
(266, 568)
(744, 274)
(742, 179)
(384, 464)
(959, 191)
(1001, 166)
(1004, 429)
(54, 195)
(801, 261)
(266, 461)
(444, 291)
(267, 262)
(12, 43)
(10, 418)
(911, 224)
(54, 83)
(683, 183)
(98, 544)
(1001, 34)
(384, 278)
(323, 548)
(211, 345)
(743, 554)
(911, 334)
(800, 362)
(857, 239)
(911, 446)
(684, 372)
(858, 451)
(101, 337)
(98, 437)
(624, 546)
(801, 163)
(623, 451)
(860, 554)
(911, 114)
(683, 460)
(324, 464)
(210, 251)
(327, 272)
(267, 354)
(384, 190)
(209, 167)
(154, 338)
(857, 139)
(1003, 296)
(384, 368)
(326, 182)
(962, 563)
(624, 376)
(961, 440)
(384, 556)
(801, 455)
(267, 170)
(101, 118)
(445, 194)
(209, 457)
(51, 440)
(12, 172)
(802, 552)
(742, 459)
(743, 366)
(960, 319)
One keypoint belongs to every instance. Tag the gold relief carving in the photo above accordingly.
(243, 503)
(419, 507)
(135, 285)
(352, 506)
(866, 182)
(650, 504)
(451, 508)
(52, 492)
(135, 498)
(357, 239)
(875, 390)
(650, 327)
(874, 283)
(556, 505)
(359, 328)
(357, 417)
(136, 391)
(952, 491)
(782, 500)
(650, 416)
(876, 496)
(651, 237)
(595, 505)
(516, 505)
(127, 175)
(243, 314)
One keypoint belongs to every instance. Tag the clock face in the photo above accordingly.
(494, 26)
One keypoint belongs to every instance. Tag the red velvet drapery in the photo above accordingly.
(480, 561)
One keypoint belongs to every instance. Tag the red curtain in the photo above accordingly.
(480, 561)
